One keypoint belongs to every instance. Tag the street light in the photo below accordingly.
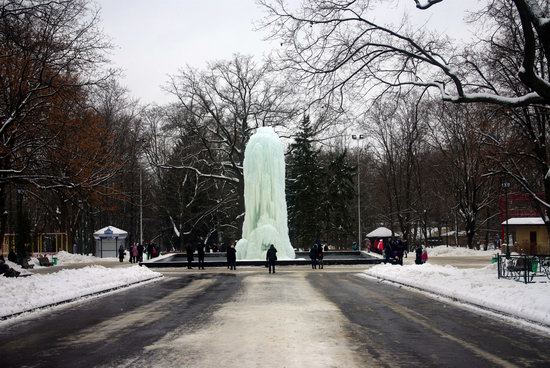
(19, 245)
(505, 186)
(358, 137)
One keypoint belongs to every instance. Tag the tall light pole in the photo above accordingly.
(358, 137)
(505, 186)
(140, 207)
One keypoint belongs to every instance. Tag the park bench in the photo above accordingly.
(524, 268)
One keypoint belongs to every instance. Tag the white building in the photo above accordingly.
(107, 241)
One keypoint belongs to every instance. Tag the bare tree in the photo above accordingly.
(220, 108)
(50, 52)
(399, 133)
(459, 134)
(334, 46)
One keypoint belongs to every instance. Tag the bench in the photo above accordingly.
(519, 268)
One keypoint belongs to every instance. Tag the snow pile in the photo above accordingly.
(65, 257)
(26, 293)
(443, 251)
(479, 286)
(15, 266)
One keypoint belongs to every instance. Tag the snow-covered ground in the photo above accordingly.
(443, 251)
(479, 286)
(39, 290)
(64, 258)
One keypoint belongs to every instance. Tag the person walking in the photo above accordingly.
(271, 258)
(121, 253)
(313, 256)
(149, 250)
(232, 258)
(133, 253)
(189, 252)
(320, 255)
(200, 253)
(140, 249)
(400, 247)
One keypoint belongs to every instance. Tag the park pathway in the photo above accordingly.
(295, 318)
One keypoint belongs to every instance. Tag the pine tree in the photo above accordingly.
(304, 187)
(339, 192)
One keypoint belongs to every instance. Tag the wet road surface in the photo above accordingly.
(296, 318)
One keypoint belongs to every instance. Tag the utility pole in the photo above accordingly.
(140, 207)
(506, 185)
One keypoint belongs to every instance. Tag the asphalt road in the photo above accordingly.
(296, 318)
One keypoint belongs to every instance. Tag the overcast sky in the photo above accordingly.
(154, 38)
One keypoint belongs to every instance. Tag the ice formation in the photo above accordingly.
(265, 219)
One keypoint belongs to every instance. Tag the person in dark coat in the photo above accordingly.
(313, 256)
(400, 251)
(121, 253)
(232, 258)
(149, 250)
(189, 252)
(200, 253)
(418, 259)
(271, 257)
(12, 257)
(320, 255)
(388, 250)
(140, 249)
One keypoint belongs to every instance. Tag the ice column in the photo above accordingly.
(265, 219)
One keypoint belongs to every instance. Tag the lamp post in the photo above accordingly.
(140, 207)
(505, 186)
(19, 245)
(447, 224)
(358, 137)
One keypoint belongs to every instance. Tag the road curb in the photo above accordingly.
(96, 293)
(461, 301)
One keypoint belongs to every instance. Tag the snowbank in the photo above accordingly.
(443, 251)
(26, 293)
(474, 285)
(65, 257)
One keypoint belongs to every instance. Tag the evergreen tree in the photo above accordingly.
(304, 187)
(339, 192)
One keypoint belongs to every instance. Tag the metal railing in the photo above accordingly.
(523, 267)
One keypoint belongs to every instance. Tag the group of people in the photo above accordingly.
(316, 254)
(136, 252)
(395, 250)
(271, 256)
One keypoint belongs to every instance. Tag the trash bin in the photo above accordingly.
(534, 265)
(54, 261)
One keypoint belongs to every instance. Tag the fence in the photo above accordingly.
(523, 267)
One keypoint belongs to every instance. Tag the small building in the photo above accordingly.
(528, 234)
(107, 241)
(378, 239)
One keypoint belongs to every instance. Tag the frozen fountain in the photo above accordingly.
(265, 219)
